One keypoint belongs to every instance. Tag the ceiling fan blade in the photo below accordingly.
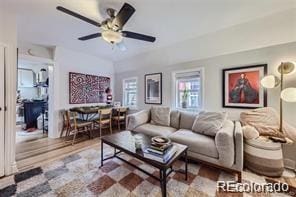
(121, 46)
(65, 10)
(91, 36)
(123, 15)
(137, 36)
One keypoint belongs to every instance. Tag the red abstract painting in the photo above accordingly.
(91, 89)
(85, 88)
(76, 88)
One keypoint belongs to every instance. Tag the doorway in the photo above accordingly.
(32, 109)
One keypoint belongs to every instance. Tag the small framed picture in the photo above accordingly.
(242, 89)
(117, 104)
(153, 88)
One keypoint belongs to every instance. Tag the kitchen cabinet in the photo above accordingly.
(26, 78)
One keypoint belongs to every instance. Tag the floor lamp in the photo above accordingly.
(288, 94)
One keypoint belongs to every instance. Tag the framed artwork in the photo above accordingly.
(241, 87)
(153, 88)
(84, 88)
(76, 88)
(91, 89)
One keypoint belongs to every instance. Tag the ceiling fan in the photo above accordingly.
(112, 28)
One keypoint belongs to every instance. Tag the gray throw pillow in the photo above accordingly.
(187, 120)
(160, 116)
(209, 123)
(175, 119)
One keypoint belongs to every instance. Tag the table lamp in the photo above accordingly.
(288, 94)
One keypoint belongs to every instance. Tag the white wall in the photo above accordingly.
(8, 37)
(71, 61)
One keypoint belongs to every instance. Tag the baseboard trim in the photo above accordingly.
(6, 181)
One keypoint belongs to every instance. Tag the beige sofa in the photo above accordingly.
(225, 150)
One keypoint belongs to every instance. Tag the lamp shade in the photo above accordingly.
(286, 67)
(270, 81)
(289, 94)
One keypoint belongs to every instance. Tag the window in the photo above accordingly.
(188, 90)
(130, 92)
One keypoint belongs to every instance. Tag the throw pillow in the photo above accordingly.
(250, 132)
(160, 116)
(175, 119)
(209, 123)
(187, 119)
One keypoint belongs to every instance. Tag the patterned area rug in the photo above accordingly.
(79, 175)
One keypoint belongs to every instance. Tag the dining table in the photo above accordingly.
(90, 113)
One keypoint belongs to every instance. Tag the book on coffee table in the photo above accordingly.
(163, 158)
(159, 149)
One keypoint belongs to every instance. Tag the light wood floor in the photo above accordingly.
(35, 153)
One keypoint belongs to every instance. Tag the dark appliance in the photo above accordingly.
(33, 109)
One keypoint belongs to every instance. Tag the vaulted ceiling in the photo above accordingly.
(170, 21)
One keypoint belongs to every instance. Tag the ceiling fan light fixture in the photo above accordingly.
(112, 36)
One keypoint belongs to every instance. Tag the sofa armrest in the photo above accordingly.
(137, 119)
(224, 141)
(239, 144)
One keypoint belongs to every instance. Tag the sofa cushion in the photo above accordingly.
(155, 130)
(187, 119)
(196, 142)
(160, 116)
(209, 123)
(136, 119)
(224, 141)
(175, 119)
(250, 132)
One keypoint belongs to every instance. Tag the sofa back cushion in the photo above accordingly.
(160, 116)
(209, 123)
(187, 119)
(175, 119)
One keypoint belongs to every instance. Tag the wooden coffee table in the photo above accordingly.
(125, 142)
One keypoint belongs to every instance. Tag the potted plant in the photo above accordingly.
(185, 98)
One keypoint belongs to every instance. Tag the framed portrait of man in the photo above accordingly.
(242, 89)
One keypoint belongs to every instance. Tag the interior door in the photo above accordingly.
(2, 104)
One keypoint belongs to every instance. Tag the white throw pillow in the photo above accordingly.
(209, 123)
(250, 132)
(160, 116)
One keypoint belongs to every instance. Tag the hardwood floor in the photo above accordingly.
(37, 152)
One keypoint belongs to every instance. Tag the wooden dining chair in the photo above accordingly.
(120, 117)
(65, 123)
(104, 120)
(77, 125)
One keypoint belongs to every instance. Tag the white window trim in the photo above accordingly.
(174, 88)
(123, 89)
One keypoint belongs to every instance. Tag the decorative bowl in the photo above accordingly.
(159, 140)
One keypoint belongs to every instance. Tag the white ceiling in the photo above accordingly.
(170, 21)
